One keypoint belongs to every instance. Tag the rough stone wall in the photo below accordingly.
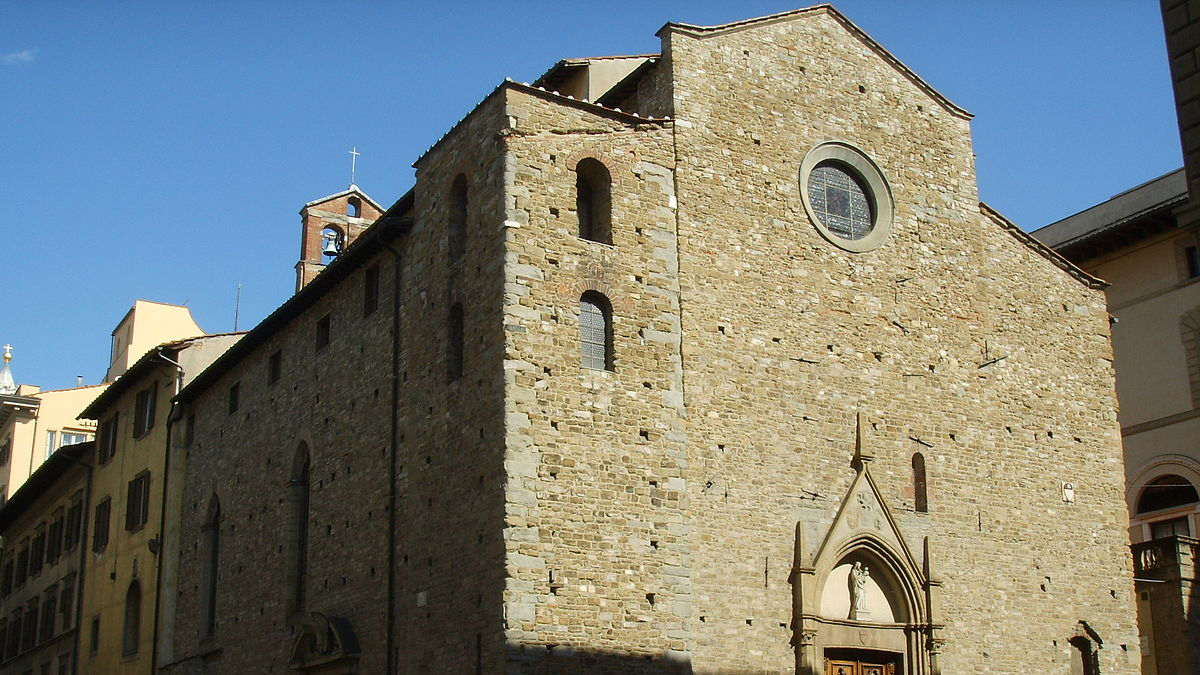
(595, 527)
(337, 401)
(453, 430)
(786, 337)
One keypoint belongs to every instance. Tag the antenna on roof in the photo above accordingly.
(237, 306)
(354, 153)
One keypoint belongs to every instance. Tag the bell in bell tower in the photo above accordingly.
(330, 224)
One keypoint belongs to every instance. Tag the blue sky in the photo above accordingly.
(161, 150)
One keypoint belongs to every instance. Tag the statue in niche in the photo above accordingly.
(859, 575)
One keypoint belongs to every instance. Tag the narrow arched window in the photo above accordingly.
(458, 217)
(131, 635)
(595, 332)
(211, 538)
(454, 342)
(298, 493)
(354, 207)
(593, 200)
(920, 484)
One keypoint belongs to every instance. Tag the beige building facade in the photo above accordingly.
(120, 576)
(1144, 243)
(724, 370)
(43, 527)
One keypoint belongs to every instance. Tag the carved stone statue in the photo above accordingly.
(859, 575)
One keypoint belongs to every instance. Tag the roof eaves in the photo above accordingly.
(1157, 194)
(134, 374)
(41, 479)
(1044, 250)
(353, 189)
(627, 83)
(708, 31)
(553, 95)
(389, 226)
(580, 62)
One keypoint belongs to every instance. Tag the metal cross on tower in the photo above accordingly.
(354, 153)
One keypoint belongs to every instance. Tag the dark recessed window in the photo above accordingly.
(189, 434)
(143, 416)
(137, 503)
(593, 200)
(235, 393)
(920, 484)
(1166, 492)
(323, 332)
(1191, 256)
(100, 525)
(74, 523)
(106, 447)
(274, 367)
(133, 619)
(370, 290)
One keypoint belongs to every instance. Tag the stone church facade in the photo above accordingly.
(725, 369)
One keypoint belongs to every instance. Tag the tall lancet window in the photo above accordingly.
(211, 541)
(298, 493)
(133, 619)
(920, 484)
(593, 200)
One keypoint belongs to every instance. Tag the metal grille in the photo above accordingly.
(593, 335)
(840, 201)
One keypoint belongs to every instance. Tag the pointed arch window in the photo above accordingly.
(211, 540)
(298, 495)
(595, 332)
(593, 200)
(458, 217)
(131, 634)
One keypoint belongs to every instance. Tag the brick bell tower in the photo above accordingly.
(328, 225)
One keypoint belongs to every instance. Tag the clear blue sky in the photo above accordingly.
(161, 150)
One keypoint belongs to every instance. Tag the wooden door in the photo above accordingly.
(843, 667)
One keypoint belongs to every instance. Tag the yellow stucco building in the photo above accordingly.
(120, 577)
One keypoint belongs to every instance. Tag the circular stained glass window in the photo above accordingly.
(840, 200)
(846, 196)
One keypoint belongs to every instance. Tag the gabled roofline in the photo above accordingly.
(135, 373)
(542, 92)
(702, 32)
(353, 189)
(1044, 250)
(388, 227)
(565, 64)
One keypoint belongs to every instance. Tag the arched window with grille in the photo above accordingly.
(593, 200)
(595, 332)
(458, 217)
